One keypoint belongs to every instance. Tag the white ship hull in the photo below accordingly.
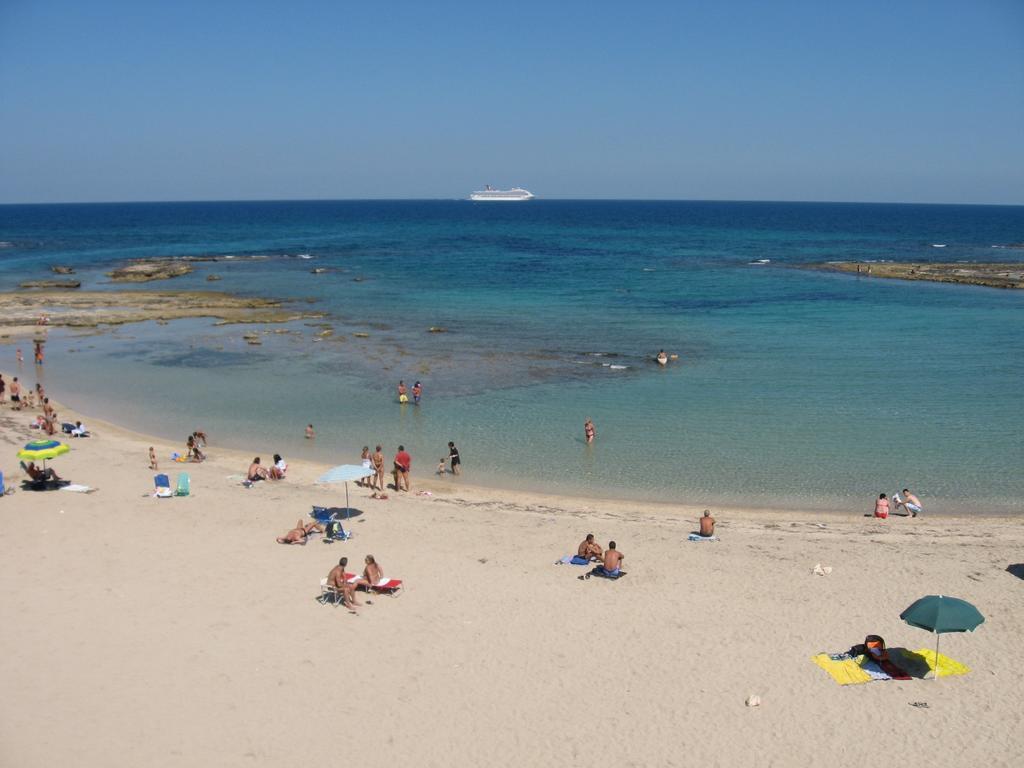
(501, 195)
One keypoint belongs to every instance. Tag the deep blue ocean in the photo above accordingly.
(792, 388)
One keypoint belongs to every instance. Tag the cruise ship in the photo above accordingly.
(488, 193)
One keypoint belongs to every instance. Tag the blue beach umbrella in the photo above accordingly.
(941, 614)
(342, 474)
(41, 450)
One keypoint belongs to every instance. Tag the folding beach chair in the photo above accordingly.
(163, 486)
(329, 594)
(184, 484)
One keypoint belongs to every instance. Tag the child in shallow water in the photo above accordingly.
(441, 467)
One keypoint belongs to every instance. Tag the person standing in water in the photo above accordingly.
(454, 458)
(417, 392)
(588, 430)
(402, 396)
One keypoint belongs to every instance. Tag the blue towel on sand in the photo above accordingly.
(577, 560)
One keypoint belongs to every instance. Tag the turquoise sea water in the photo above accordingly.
(793, 387)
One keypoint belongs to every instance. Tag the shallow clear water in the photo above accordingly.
(793, 387)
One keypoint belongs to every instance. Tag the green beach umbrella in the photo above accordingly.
(941, 614)
(41, 450)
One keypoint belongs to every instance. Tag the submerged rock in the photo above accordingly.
(62, 270)
(59, 284)
(211, 278)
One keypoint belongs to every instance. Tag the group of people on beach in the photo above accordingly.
(257, 471)
(345, 585)
(609, 560)
(908, 501)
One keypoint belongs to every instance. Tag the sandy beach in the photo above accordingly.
(143, 631)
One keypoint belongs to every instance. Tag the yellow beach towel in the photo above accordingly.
(844, 671)
(946, 666)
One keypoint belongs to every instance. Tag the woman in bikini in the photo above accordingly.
(378, 469)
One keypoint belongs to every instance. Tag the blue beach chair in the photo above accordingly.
(163, 486)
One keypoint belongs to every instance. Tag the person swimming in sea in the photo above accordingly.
(662, 358)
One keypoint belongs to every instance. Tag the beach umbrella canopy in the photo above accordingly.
(41, 450)
(342, 474)
(941, 614)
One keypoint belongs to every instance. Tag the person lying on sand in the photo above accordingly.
(300, 533)
(707, 524)
(373, 573)
(589, 548)
(41, 475)
(336, 580)
(256, 472)
(612, 560)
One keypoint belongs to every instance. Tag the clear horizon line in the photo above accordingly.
(466, 199)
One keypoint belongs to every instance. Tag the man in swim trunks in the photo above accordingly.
(41, 475)
(256, 472)
(589, 548)
(909, 502)
(403, 464)
(336, 580)
(16, 393)
(417, 392)
(707, 524)
(612, 560)
(300, 533)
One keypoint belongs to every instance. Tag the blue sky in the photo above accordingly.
(903, 100)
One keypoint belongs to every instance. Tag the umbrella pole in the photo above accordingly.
(937, 636)
(346, 499)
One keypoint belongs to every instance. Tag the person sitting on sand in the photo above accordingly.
(194, 454)
(79, 430)
(373, 574)
(589, 548)
(279, 469)
(882, 506)
(300, 533)
(612, 560)
(909, 502)
(707, 524)
(41, 475)
(256, 472)
(336, 580)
